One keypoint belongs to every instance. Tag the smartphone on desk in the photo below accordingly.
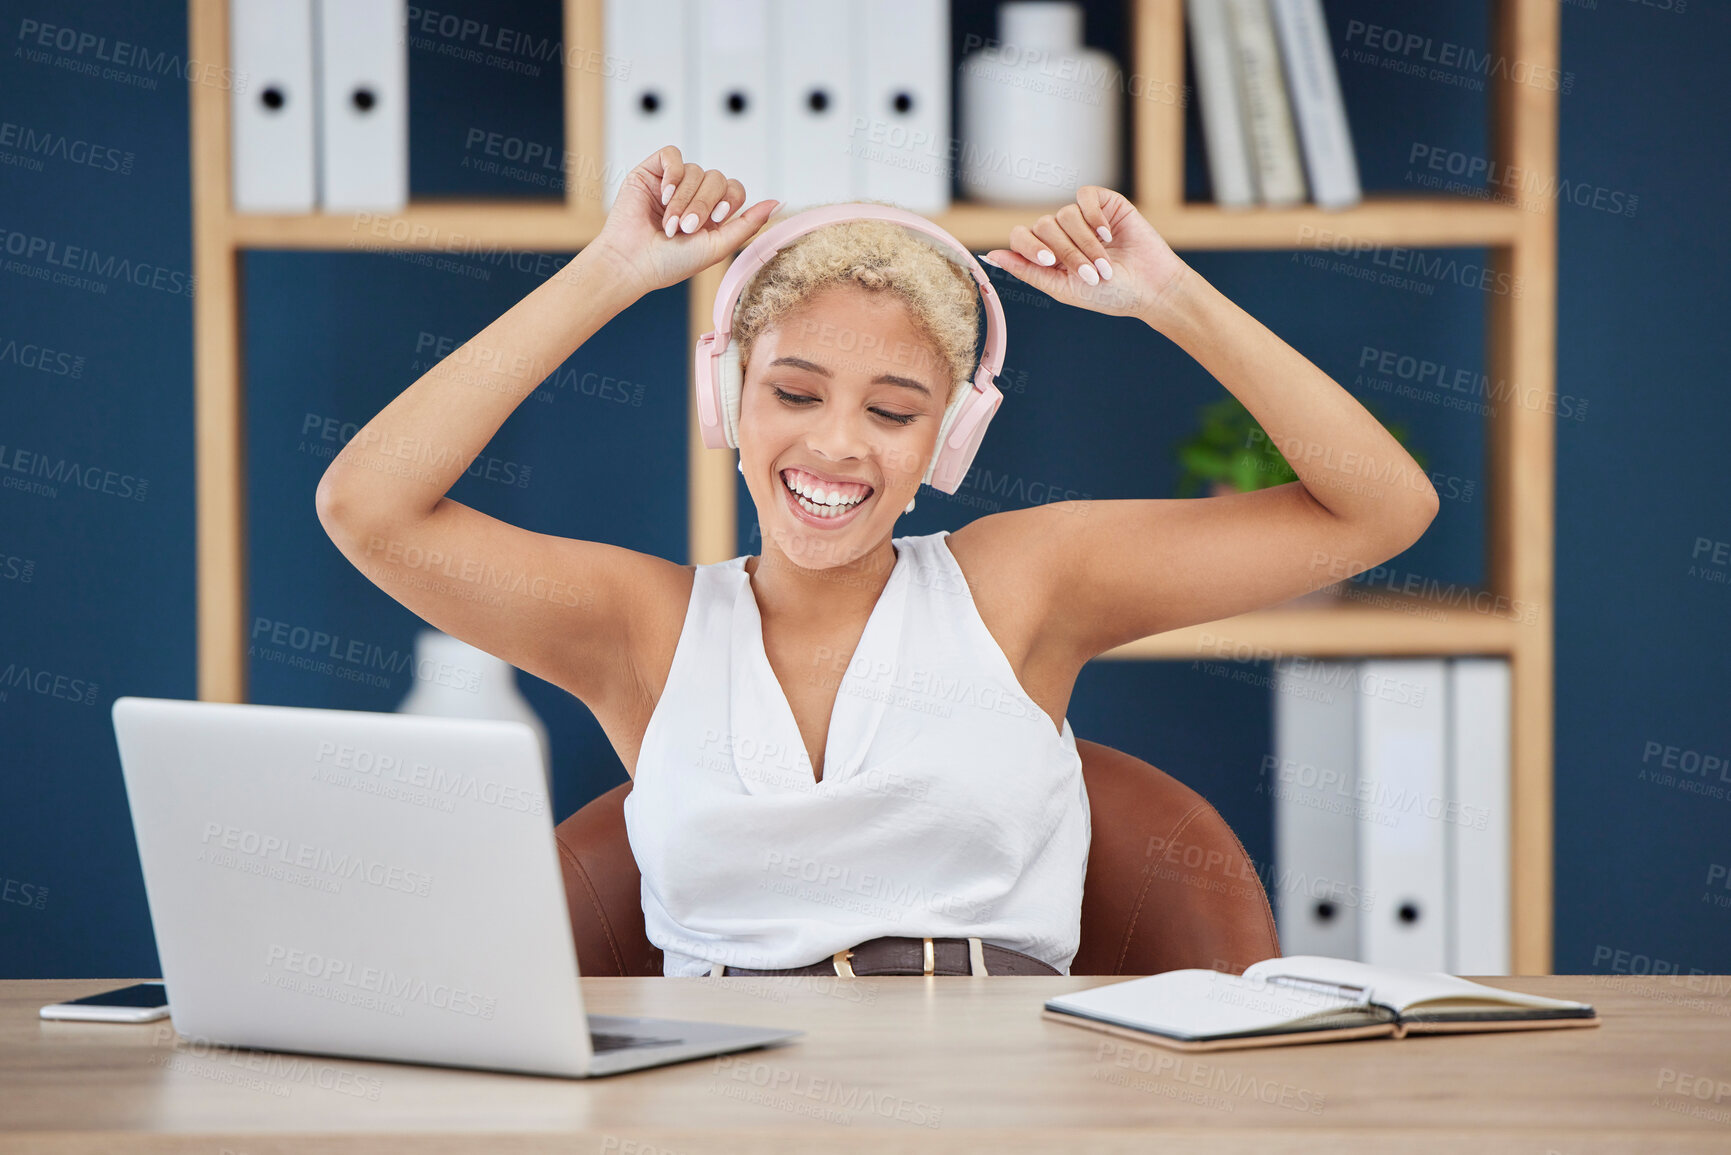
(138, 1003)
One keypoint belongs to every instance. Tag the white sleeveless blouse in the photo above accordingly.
(951, 805)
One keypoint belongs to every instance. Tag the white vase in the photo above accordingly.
(1038, 111)
(455, 680)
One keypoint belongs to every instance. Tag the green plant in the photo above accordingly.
(1231, 448)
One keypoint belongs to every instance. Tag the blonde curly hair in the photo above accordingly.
(881, 256)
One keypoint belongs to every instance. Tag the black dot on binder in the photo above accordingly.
(902, 102)
(736, 101)
(272, 98)
(363, 99)
(818, 100)
(1408, 912)
(649, 102)
(1325, 912)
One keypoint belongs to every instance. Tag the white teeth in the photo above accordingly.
(827, 510)
(817, 495)
(821, 510)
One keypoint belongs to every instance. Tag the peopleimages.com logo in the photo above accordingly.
(333, 978)
(368, 764)
(239, 847)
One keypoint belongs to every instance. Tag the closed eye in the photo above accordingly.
(801, 399)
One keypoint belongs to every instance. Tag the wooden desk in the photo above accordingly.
(903, 1064)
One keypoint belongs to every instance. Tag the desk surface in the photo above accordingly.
(904, 1064)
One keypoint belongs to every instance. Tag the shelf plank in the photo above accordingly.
(455, 225)
(467, 225)
(1521, 459)
(219, 402)
(1156, 110)
(1381, 219)
(585, 100)
(1371, 623)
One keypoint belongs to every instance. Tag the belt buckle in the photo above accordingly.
(931, 962)
(843, 968)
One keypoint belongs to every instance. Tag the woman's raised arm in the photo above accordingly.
(1109, 572)
(561, 608)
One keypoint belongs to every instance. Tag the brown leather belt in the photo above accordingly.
(912, 956)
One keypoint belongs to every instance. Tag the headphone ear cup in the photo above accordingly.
(951, 413)
(710, 421)
(728, 379)
(973, 414)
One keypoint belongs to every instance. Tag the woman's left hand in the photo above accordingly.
(1130, 270)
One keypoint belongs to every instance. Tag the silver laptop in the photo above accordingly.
(382, 886)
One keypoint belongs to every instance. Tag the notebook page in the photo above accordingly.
(1195, 1003)
(1392, 987)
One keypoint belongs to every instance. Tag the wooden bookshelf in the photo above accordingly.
(1520, 347)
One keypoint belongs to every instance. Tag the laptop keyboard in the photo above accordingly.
(602, 1041)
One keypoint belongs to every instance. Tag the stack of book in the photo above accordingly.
(1273, 122)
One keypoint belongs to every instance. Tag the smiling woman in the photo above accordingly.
(840, 754)
(854, 736)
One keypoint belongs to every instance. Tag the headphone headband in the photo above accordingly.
(719, 379)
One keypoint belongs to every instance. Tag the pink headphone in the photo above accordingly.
(718, 374)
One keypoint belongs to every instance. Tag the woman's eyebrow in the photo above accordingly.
(881, 379)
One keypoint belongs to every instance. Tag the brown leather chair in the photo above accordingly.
(1168, 884)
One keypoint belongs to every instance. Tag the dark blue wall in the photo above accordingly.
(97, 584)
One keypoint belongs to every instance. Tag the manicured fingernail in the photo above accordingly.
(690, 222)
(988, 260)
(1088, 275)
(1104, 266)
(1105, 233)
(1045, 258)
(666, 193)
(720, 211)
(672, 225)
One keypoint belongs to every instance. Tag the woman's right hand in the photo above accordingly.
(636, 233)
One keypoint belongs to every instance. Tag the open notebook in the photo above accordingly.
(1304, 999)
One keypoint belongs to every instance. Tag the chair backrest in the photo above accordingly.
(1168, 883)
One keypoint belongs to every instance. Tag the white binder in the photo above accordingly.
(1224, 131)
(900, 132)
(1403, 798)
(1318, 901)
(1478, 848)
(363, 78)
(812, 91)
(730, 64)
(648, 97)
(271, 117)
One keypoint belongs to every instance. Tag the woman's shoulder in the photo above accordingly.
(1000, 559)
(988, 550)
(997, 562)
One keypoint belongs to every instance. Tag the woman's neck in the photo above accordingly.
(797, 597)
